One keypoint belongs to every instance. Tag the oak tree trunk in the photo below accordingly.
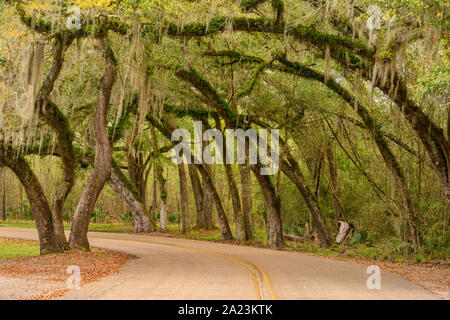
(21, 202)
(334, 185)
(208, 185)
(273, 207)
(120, 184)
(103, 155)
(198, 195)
(3, 195)
(184, 195)
(207, 201)
(235, 198)
(154, 206)
(38, 202)
(293, 173)
(245, 172)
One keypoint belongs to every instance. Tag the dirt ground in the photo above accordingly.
(44, 277)
(433, 276)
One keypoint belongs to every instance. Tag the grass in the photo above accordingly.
(95, 227)
(368, 251)
(10, 248)
(18, 223)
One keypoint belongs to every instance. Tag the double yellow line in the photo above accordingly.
(251, 268)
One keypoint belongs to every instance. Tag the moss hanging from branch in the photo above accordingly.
(302, 33)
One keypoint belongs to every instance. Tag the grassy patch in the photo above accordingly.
(95, 227)
(108, 227)
(18, 224)
(12, 248)
(204, 235)
(368, 251)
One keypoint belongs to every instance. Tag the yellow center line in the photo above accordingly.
(266, 279)
(240, 261)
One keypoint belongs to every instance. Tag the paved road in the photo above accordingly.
(169, 268)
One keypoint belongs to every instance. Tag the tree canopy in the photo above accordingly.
(358, 89)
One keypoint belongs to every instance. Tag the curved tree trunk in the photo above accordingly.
(122, 186)
(119, 183)
(292, 171)
(39, 205)
(50, 112)
(103, 155)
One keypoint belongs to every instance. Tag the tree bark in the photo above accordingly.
(198, 195)
(58, 221)
(245, 172)
(119, 183)
(21, 202)
(184, 196)
(39, 205)
(163, 200)
(221, 215)
(235, 198)
(159, 172)
(334, 185)
(125, 189)
(136, 172)
(103, 155)
(3, 195)
(291, 170)
(207, 201)
(236, 201)
(273, 208)
(154, 207)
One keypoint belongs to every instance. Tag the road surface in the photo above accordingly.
(172, 268)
